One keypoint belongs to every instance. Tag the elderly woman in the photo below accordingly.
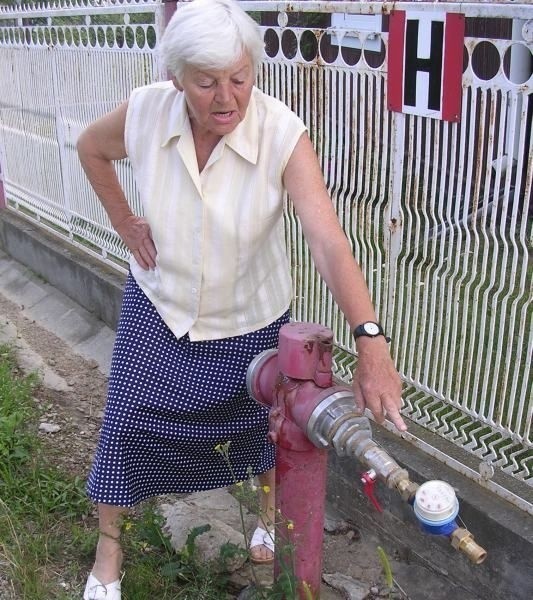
(209, 285)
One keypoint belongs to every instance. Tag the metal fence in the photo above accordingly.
(62, 65)
(438, 213)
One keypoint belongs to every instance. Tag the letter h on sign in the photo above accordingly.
(425, 63)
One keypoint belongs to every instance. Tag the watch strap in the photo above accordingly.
(361, 331)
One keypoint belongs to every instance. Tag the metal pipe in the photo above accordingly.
(335, 422)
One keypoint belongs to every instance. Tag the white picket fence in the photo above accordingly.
(438, 213)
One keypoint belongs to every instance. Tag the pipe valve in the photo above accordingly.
(368, 479)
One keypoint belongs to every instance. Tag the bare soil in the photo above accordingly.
(77, 410)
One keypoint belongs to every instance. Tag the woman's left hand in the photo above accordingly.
(376, 383)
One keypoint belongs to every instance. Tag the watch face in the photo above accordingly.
(371, 328)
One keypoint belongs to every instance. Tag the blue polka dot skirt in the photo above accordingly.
(170, 403)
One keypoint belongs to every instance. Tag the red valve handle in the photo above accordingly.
(368, 479)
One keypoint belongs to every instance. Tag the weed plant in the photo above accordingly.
(155, 570)
(392, 584)
(286, 586)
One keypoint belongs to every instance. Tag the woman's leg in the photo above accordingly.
(266, 520)
(108, 559)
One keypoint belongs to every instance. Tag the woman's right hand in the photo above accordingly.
(136, 234)
(99, 145)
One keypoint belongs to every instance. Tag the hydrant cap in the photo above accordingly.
(436, 503)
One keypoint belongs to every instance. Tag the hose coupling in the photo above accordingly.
(463, 541)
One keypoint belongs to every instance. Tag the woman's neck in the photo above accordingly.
(204, 143)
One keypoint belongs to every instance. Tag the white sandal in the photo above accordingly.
(262, 537)
(94, 590)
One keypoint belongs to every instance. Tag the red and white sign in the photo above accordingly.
(425, 63)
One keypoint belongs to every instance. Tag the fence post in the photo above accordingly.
(519, 72)
(393, 225)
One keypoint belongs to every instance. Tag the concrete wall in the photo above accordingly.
(84, 279)
(503, 530)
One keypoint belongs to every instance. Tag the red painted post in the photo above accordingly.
(293, 382)
(170, 9)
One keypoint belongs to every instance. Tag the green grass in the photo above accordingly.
(37, 502)
(47, 528)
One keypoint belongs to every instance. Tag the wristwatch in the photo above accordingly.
(369, 329)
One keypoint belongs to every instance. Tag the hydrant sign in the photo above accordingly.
(425, 63)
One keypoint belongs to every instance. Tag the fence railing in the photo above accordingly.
(438, 213)
(62, 65)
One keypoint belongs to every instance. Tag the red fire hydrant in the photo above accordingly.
(294, 381)
(308, 415)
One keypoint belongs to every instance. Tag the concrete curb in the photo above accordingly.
(505, 531)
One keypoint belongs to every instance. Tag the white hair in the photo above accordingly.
(209, 34)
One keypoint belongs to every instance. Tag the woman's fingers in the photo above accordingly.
(377, 386)
(391, 407)
(136, 234)
(146, 254)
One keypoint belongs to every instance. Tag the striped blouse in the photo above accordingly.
(222, 267)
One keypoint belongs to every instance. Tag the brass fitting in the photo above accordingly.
(395, 479)
(407, 489)
(463, 541)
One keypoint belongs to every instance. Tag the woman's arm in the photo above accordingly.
(98, 146)
(376, 382)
